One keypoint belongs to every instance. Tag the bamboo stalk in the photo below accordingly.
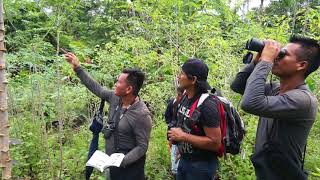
(5, 160)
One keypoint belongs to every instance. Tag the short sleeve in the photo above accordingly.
(209, 113)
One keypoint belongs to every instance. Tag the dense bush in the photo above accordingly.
(50, 109)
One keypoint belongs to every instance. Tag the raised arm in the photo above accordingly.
(239, 83)
(255, 100)
(87, 80)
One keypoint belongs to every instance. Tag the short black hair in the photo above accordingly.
(310, 51)
(135, 79)
(196, 67)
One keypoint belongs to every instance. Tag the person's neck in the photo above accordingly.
(128, 100)
(191, 92)
(287, 84)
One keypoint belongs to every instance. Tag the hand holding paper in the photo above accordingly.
(100, 160)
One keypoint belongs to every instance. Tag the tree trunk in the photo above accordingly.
(5, 161)
(261, 5)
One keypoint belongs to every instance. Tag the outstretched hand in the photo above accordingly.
(72, 59)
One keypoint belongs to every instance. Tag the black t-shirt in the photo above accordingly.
(208, 117)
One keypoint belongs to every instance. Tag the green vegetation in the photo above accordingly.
(50, 109)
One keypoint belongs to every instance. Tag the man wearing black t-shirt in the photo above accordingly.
(198, 138)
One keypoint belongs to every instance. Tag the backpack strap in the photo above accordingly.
(202, 98)
(223, 127)
(223, 121)
(193, 107)
(197, 103)
(101, 106)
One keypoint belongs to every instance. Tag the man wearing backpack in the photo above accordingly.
(198, 137)
(287, 110)
(129, 120)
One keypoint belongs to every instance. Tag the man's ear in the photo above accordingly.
(129, 90)
(302, 65)
(194, 79)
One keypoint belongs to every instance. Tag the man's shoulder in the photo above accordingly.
(141, 109)
(211, 100)
(304, 96)
(144, 108)
(140, 115)
(301, 92)
(210, 103)
(210, 112)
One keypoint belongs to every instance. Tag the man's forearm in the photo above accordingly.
(92, 84)
(254, 97)
(134, 155)
(203, 142)
(239, 83)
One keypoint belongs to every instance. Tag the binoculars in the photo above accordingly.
(257, 46)
(108, 130)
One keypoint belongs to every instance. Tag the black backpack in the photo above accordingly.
(231, 125)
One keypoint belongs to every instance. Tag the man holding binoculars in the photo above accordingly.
(287, 109)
